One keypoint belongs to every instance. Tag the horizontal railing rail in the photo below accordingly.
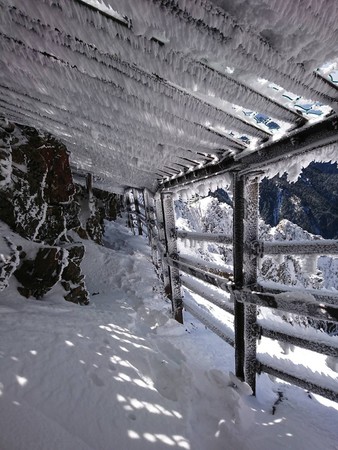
(215, 280)
(291, 302)
(207, 294)
(303, 383)
(204, 237)
(320, 295)
(317, 247)
(308, 344)
(209, 321)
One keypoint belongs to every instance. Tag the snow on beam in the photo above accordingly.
(223, 85)
(249, 50)
(320, 295)
(300, 303)
(211, 322)
(111, 32)
(215, 280)
(207, 293)
(197, 175)
(112, 127)
(318, 347)
(309, 138)
(138, 140)
(319, 247)
(215, 35)
(123, 171)
(191, 127)
(157, 129)
(305, 140)
(206, 237)
(240, 93)
(138, 84)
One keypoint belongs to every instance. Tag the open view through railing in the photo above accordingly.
(257, 312)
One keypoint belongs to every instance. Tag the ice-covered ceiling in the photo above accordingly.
(143, 90)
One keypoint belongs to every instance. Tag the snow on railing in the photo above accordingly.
(318, 247)
(205, 237)
(239, 294)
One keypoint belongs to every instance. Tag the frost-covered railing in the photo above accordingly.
(247, 293)
(205, 237)
(318, 247)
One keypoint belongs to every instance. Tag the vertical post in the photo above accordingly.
(130, 222)
(147, 213)
(238, 252)
(137, 212)
(246, 207)
(171, 246)
(89, 187)
(162, 242)
(251, 196)
(149, 208)
(89, 183)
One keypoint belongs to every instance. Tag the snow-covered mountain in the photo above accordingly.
(213, 214)
(311, 202)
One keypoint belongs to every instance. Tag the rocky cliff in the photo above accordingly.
(41, 205)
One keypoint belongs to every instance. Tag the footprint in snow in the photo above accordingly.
(96, 380)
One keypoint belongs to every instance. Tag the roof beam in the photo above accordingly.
(145, 86)
(125, 128)
(113, 91)
(303, 141)
(219, 40)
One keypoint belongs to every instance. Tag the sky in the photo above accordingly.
(122, 374)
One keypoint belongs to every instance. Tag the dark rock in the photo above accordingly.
(72, 278)
(37, 276)
(39, 201)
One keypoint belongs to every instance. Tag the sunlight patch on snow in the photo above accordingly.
(133, 435)
(22, 381)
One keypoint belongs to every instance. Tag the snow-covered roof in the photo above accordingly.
(145, 90)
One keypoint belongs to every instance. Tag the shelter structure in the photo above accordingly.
(158, 95)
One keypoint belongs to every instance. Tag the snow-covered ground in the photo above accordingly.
(120, 374)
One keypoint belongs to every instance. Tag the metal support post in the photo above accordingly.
(245, 232)
(251, 196)
(147, 200)
(130, 222)
(149, 208)
(171, 246)
(238, 233)
(137, 212)
(162, 242)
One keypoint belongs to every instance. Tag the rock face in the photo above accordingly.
(95, 207)
(36, 185)
(40, 203)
